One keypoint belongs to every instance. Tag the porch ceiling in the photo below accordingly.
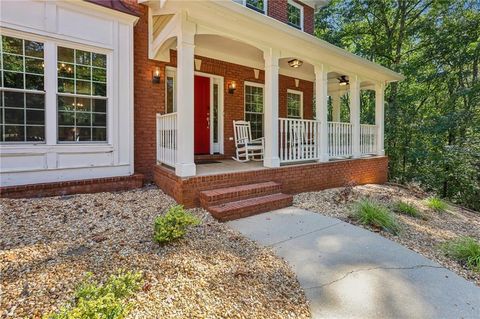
(258, 33)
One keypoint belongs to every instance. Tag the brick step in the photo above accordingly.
(250, 206)
(235, 193)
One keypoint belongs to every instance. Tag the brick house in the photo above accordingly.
(100, 95)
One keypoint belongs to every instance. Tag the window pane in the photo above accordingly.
(13, 62)
(83, 87)
(35, 133)
(83, 73)
(66, 118)
(65, 54)
(99, 75)
(13, 80)
(99, 89)
(294, 106)
(34, 49)
(99, 60)
(35, 117)
(84, 134)
(34, 65)
(66, 86)
(66, 70)
(83, 119)
(99, 120)
(12, 45)
(35, 101)
(14, 99)
(294, 15)
(99, 134)
(256, 4)
(254, 109)
(14, 133)
(83, 104)
(99, 105)
(83, 57)
(34, 82)
(66, 103)
(170, 83)
(14, 116)
(66, 134)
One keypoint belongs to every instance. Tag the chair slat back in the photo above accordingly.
(242, 132)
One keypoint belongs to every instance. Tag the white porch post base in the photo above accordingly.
(271, 157)
(321, 109)
(185, 170)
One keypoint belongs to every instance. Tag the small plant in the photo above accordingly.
(436, 204)
(174, 224)
(465, 250)
(107, 300)
(407, 209)
(370, 213)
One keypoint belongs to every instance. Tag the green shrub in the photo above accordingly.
(436, 204)
(370, 213)
(407, 209)
(465, 250)
(173, 224)
(107, 300)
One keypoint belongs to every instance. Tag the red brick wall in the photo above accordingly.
(294, 178)
(73, 187)
(277, 9)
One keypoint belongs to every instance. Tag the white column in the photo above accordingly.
(379, 117)
(271, 158)
(185, 165)
(355, 114)
(336, 102)
(321, 108)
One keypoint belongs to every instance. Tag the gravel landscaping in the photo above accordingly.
(423, 235)
(49, 244)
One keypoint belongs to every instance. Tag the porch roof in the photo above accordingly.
(234, 21)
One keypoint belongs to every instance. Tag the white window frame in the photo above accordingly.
(171, 72)
(300, 93)
(254, 84)
(298, 6)
(51, 91)
(265, 6)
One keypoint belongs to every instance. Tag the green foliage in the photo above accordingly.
(464, 249)
(173, 224)
(407, 209)
(107, 300)
(436, 204)
(432, 134)
(371, 213)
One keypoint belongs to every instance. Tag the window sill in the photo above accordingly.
(255, 9)
(7, 149)
(295, 26)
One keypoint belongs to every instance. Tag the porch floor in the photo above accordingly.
(227, 166)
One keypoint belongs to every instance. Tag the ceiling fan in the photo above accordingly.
(342, 80)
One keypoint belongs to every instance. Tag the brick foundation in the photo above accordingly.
(294, 178)
(73, 187)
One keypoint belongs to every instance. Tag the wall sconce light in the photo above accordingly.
(295, 63)
(156, 75)
(232, 86)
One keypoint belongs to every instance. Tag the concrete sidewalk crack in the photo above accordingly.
(374, 268)
(305, 234)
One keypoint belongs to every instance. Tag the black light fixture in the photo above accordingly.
(156, 75)
(232, 86)
(295, 63)
(343, 80)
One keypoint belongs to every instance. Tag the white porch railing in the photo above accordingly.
(167, 138)
(339, 139)
(299, 140)
(368, 139)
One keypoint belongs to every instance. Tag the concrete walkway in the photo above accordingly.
(349, 272)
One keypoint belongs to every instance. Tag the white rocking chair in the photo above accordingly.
(246, 148)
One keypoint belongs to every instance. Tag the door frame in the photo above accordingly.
(216, 79)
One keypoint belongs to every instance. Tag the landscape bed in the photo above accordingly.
(425, 234)
(48, 245)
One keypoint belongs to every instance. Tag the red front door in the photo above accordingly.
(202, 115)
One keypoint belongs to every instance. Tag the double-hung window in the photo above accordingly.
(82, 95)
(257, 5)
(254, 108)
(295, 14)
(22, 93)
(294, 104)
(170, 90)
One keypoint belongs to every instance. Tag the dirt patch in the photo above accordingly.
(423, 235)
(47, 245)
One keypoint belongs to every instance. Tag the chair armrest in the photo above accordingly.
(260, 140)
